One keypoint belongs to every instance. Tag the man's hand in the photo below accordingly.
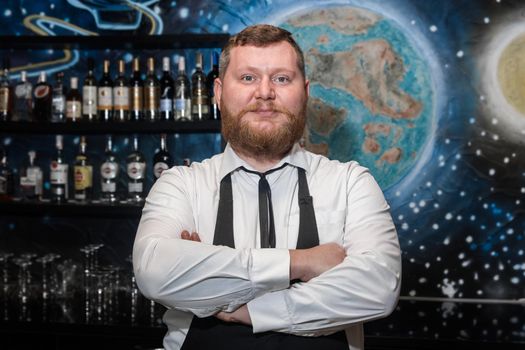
(241, 315)
(193, 237)
(306, 264)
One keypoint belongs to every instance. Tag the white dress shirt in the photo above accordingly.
(192, 278)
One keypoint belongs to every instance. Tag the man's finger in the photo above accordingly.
(195, 237)
(185, 235)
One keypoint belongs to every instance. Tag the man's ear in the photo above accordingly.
(217, 90)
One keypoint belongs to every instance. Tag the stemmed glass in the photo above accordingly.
(4, 259)
(24, 284)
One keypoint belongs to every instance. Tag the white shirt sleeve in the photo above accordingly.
(363, 287)
(192, 276)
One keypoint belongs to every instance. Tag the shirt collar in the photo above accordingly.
(231, 161)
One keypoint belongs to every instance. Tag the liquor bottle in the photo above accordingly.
(136, 170)
(121, 95)
(212, 75)
(105, 95)
(89, 94)
(83, 171)
(59, 99)
(182, 93)
(109, 171)
(73, 102)
(136, 93)
(186, 162)
(23, 106)
(162, 160)
(151, 93)
(31, 179)
(7, 185)
(6, 94)
(42, 96)
(200, 109)
(166, 91)
(59, 171)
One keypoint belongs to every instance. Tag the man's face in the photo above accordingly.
(262, 98)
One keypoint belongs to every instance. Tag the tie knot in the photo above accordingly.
(263, 175)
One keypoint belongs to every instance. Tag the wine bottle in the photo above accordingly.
(7, 185)
(59, 171)
(109, 171)
(136, 170)
(166, 91)
(162, 160)
(89, 94)
(6, 94)
(31, 179)
(121, 95)
(200, 109)
(83, 171)
(105, 95)
(151, 93)
(59, 99)
(136, 93)
(73, 102)
(23, 105)
(215, 114)
(42, 97)
(182, 93)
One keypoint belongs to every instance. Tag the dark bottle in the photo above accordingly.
(7, 182)
(31, 179)
(162, 160)
(136, 99)
(167, 86)
(151, 93)
(59, 99)
(83, 171)
(59, 172)
(23, 105)
(136, 170)
(42, 97)
(73, 102)
(105, 95)
(212, 75)
(182, 103)
(121, 95)
(89, 94)
(109, 171)
(200, 109)
(6, 94)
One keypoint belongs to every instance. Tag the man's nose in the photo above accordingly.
(265, 89)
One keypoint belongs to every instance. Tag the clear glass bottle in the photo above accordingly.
(23, 106)
(136, 170)
(162, 160)
(136, 97)
(200, 102)
(59, 99)
(215, 114)
(7, 182)
(83, 171)
(166, 91)
(105, 95)
(6, 94)
(59, 173)
(89, 93)
(182, 103)
(109, 172)
(121, 94)
(31, 179)
(151, 93)
(73, 102)
(43, 100)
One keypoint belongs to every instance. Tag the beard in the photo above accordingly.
(266, 144)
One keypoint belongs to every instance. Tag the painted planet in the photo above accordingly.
(511, 73)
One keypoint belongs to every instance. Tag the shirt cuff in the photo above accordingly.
(269, 313)
(270, 270)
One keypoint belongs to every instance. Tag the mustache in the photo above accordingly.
(266, 106)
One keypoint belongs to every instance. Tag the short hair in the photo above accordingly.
(259, 35)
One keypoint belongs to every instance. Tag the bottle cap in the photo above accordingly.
(74, 83)
(182, 63)
(166, 64)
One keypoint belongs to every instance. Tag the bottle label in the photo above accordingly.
(110, 187)
(136, 170)
(83, 177)
(136, 98)
(151, 98)
(59, 104)
(89, 100)
(4, 99)
(121, 97)
(42, 91)
(3, 185)
(31, 184)
(23, 91)
(166, 105)
(182, 108)
(135, 186)
(158, 168)
(73, 110)
(105, 98)
(109, 170)
(58, 174)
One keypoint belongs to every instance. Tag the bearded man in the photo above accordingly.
(267, 246)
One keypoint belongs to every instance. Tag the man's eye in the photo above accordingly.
(281, 79)
(247, 78)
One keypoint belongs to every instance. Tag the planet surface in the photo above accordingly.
(371, 93)
(511, 73)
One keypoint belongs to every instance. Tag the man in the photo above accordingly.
(267, 246)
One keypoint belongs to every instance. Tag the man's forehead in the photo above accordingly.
(284, 55)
